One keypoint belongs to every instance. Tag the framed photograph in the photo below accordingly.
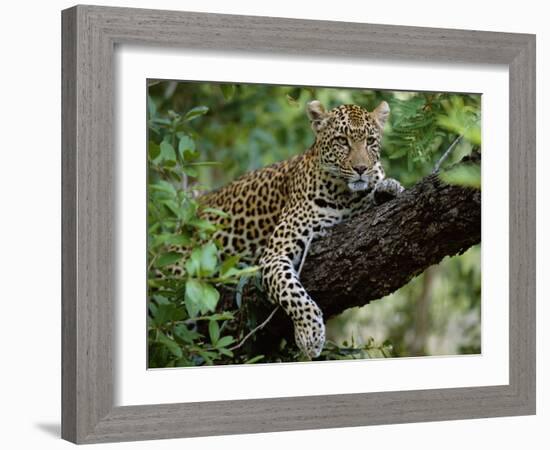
(266, 229)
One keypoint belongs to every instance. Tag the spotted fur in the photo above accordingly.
(274, 212)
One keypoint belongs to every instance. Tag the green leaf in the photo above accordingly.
(185, 334)
(208, 259)
(195, 112)
(152, 108)
(193, 263)
(176, 239)
(190, 171)
(188, 210)
(167, 151)
(207, 356)
(170, 344)
(200, 297)
(167, 258)
(466, 175)
(168, 312)
(186, 148)
(160, 299)
(153, 150)
(225, 351)
(173, 207)
(202, 224)
(153, 308)
(211, 297)
(229, 263)
(214, 331)
(233, 274)
(226, 315)
(225, 341)
(228, 90)
(193, 296)
(163, 186)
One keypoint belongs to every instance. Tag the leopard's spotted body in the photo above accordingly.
(276, 211)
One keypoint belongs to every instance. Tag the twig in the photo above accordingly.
(259, 327)
(150, 266)
(266, 321)
(447, 153)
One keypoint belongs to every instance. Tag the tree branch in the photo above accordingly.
(385, 247)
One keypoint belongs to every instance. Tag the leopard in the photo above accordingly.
(273, 213)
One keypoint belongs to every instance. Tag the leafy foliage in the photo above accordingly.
(468, 175)
(177, 234)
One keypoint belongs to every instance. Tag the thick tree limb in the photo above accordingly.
(378, 252)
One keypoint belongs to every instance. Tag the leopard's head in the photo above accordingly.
(348, 139)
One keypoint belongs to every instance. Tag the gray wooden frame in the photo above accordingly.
(90, 34)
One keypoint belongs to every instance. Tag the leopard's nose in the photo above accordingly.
(360, 169)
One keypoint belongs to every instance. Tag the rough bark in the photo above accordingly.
(381, 250)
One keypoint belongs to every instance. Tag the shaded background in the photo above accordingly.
(244, 127)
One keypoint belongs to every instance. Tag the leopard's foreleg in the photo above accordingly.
(280, 278)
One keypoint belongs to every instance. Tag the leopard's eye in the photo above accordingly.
(342, 140)
(370, 140)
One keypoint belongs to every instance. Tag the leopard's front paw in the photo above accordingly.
(310, 336)
(386, 190)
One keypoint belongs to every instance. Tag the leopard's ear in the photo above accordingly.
(381, 114)
(316, 113)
